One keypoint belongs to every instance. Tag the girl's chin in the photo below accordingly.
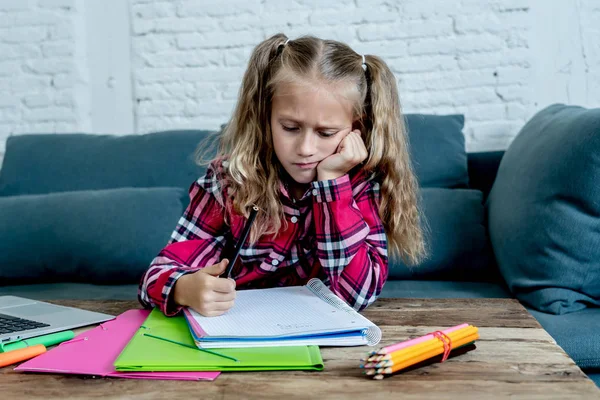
(304, 179)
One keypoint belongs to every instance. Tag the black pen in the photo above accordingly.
(240, 243)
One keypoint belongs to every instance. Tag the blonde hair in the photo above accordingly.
(253, 174)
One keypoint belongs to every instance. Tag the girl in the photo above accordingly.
(317, 143)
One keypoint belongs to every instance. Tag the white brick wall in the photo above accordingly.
(38, 68)
(496, 61)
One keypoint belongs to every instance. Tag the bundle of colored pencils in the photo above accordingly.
(433, 347)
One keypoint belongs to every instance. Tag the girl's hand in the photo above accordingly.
(350, 152)
(205, 292)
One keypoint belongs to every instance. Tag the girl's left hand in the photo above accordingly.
(350, 152)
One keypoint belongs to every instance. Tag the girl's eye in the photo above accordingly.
(289, 128)
(327, 134)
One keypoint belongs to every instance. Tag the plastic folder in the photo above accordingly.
(146, 353)
(93, 353)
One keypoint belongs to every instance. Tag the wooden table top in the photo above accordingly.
(514, 358)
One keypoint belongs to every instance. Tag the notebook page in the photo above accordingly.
(277, 312)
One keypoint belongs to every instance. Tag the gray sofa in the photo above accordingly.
(82, 215)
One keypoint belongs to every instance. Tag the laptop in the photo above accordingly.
(22, 318)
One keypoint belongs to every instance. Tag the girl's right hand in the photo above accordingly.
(205, 292)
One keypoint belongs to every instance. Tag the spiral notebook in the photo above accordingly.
(286, 316)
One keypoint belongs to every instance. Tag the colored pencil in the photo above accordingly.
(407, 343)
(418, 359)
(433, 360)
(427, 345)
(433, 340)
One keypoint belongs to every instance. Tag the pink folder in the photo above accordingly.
(94, 352)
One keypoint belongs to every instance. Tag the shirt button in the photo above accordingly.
(275, 263)
(315, 192)
(294, 219)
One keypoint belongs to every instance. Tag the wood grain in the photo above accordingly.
(514, 358)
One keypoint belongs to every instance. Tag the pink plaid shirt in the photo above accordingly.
(333, 233)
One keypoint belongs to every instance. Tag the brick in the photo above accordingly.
(488, 22)
(517, 111)
(403, 29)
(175, 25)
(154, 75)
(350, 16)
(153, 10)
(160, 107)
(58, 48)
(61, 81)
(384, 49)
(238, 57)
(212, 74)
(184, 58)
(511, 75)
(518, 57)
(27, 84)
(64, 4)
(423, 64)
(12, 5)
(32, 18)
(345, 34)
(61, 31)
(10, 68)
(9, 102)
(484, 112)
(38, 100)
(234, 39)
(153, 44)
(49, 114)
(443, 45)
(216, 8)
(23, 34)
(10, 114)
(50, 66)
(513, 92)
(64, 98)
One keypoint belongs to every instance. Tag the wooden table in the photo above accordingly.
(514, 358)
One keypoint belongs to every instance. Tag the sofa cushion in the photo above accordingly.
(544, 211)
(101, 236)
(577, 333)
(455, 236)
(437, 148)
(46, 163)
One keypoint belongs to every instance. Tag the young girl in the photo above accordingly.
(317, 143)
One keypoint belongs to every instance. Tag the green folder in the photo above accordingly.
(147, 353)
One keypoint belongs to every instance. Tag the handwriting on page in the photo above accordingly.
(273, 313)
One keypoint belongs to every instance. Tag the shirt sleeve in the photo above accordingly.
(196, 242)
(351, 241)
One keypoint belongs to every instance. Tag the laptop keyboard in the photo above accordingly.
(10, 324)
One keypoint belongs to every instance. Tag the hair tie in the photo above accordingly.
(364, 63)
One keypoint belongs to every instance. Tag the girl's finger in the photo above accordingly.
(221, 306)
(220, 297)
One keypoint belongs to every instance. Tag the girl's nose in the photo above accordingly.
(306, 146)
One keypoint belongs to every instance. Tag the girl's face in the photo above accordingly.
(308, 122)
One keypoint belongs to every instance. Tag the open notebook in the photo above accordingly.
(287, 316)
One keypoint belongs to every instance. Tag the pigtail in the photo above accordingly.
(387, 142)
(243, 141)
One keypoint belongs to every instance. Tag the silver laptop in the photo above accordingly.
(22, 318)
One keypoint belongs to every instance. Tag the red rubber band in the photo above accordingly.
(447, 342)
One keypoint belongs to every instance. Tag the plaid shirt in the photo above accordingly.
(333, 233)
